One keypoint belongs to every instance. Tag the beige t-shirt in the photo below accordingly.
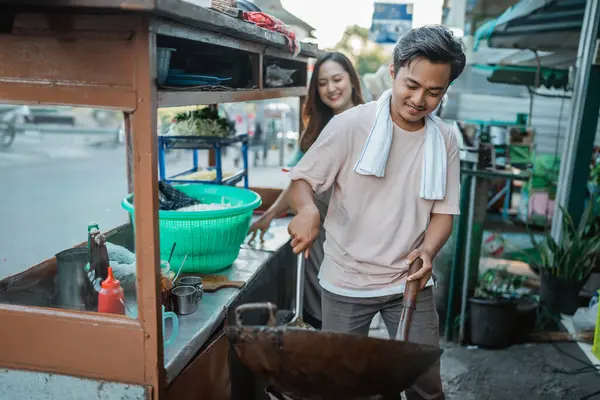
(373, 223)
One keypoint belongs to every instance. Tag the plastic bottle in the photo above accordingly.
(111, 296)
(165, 270)
(91, 225)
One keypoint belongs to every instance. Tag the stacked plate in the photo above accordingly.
(178, 77)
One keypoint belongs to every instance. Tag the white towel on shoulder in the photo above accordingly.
(373, 159)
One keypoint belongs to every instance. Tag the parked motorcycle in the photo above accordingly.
(8, 124)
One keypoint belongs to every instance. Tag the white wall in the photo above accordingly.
(427, 12)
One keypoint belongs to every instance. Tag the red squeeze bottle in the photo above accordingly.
(110, 297)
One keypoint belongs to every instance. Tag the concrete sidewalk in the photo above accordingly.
(522, 372)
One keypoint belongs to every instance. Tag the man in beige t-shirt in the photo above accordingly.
(375, 227)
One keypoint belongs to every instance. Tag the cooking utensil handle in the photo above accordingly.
(299, 287)
(172, 250)
(410, 302)
(272, 308)
(175, 330)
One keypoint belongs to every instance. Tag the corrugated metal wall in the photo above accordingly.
(472, 97)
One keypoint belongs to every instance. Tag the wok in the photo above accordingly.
(320, 365)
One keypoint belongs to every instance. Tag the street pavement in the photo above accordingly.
(53, 185)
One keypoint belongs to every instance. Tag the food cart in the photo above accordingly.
(103, 54)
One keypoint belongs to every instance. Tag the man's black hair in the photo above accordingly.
(434, 43)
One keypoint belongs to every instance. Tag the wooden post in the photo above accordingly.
(129, 149)
(144, 135)
(257, 64)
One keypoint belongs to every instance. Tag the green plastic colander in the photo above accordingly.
(211, 239)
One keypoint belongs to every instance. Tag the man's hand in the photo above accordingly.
(304, 229)
(424, 274)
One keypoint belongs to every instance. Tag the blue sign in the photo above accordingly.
(390, 22)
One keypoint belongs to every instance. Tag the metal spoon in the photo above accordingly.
(181, 266)
(127, 308)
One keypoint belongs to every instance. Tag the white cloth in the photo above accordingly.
(373, 159)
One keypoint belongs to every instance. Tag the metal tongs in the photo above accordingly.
(297, 321)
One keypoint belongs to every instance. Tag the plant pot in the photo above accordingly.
(492, 322)
(559, 295)
(526, 319)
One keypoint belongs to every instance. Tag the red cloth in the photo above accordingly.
(271, 23)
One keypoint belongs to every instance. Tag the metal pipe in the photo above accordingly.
(585, 59)
(245, 161)
(538, 71)
(458, 251)
(465, 286)
(218, 163)
(497, 196)
(282, 148)
(195, 158)
(162, 174)
(299, 288)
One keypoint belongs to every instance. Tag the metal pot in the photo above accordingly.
(73, 288)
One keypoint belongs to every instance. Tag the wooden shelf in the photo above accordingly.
(182, 12)
(178, 98)
(177, 30)
(211, 20)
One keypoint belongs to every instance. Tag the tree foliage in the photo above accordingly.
(367, 56)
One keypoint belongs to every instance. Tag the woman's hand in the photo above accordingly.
(262, 224)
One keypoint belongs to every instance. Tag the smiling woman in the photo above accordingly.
(334, 88)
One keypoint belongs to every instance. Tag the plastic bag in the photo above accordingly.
(269, 22)
(584, 319)
(278, 77)
(123, 264)
(494, 246)
(172, 199)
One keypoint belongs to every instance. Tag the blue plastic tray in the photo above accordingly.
(182, 79)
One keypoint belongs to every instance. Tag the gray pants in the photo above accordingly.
(354, 315)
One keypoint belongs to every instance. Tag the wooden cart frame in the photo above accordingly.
(102, 54)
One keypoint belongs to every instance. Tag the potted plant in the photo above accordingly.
(493, 308)
(594, 187)
(566, 265)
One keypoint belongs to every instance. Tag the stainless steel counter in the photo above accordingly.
(256, 261)
(275, 238)
(195, 329)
